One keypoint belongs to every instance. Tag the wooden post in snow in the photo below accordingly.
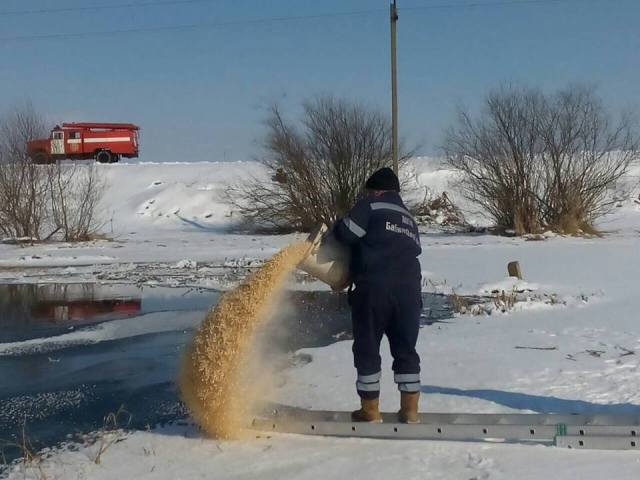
(514, 270)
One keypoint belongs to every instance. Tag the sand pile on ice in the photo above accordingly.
(213, 379)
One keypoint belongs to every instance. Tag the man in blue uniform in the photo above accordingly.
(386, 300)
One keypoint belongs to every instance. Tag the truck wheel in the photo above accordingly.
(115, 158)
(103, 156)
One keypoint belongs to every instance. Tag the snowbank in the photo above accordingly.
(173, 195)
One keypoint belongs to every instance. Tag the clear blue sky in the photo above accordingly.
(200, 94)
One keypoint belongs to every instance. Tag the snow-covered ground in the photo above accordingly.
(579, 301)
(159, 213)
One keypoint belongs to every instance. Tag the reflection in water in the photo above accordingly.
(28, 311)
(70, 391)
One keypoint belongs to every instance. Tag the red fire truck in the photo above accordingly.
(105, 142)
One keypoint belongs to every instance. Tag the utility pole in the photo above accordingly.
(394, 89)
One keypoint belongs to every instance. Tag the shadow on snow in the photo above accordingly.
(536, 403)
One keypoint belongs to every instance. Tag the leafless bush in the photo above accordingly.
(40, 201)
(20, 125)
(23, 199)
(317, 168)
(535, 161)
(437, 209)
(75, 192)
(23, 185)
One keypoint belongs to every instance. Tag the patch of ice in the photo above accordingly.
(114, 330)
(186, 264)
(40, 405)
(45, 260)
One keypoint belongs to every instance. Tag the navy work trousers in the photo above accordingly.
(391, 310)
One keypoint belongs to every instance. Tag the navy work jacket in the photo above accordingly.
(384, 240)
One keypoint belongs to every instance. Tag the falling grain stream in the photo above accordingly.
(219, 382)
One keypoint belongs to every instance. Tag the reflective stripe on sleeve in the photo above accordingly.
(356, 229)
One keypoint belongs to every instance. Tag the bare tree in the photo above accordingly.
(318, 168)
(23, 185)
(42, 201)
(76, 191)
(19, 126)
(585, 153)
(535, 161)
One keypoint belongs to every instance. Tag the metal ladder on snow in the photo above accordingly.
(601, 431)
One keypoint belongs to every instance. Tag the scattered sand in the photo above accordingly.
(213, 380)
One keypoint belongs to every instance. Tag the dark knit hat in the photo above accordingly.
(383, 179)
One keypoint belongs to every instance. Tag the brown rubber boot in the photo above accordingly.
(369, 412)
(409, 407)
